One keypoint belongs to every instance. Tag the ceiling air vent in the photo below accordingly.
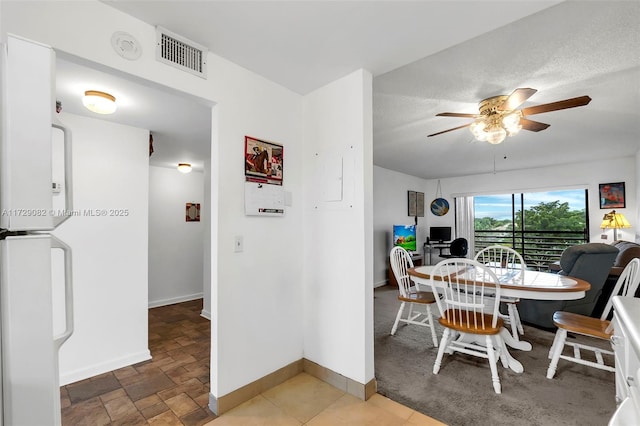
(181, 53)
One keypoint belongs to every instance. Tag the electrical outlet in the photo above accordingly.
(238, 244)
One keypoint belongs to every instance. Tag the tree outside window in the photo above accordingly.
(552, 221)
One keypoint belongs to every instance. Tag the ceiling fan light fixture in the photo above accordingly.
(99, 102)
(477, 129)
(496, 135)
(511, 122)
(498, 115)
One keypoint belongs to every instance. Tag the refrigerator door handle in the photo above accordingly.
(68, 175)
(68, 292)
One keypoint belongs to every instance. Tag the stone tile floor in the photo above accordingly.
(170, 389)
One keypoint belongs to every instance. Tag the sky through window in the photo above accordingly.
(499, 206)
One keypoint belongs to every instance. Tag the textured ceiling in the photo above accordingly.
(569, 50)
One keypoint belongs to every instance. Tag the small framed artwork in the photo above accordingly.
(263, 161)
(612, 195)
(193, 212)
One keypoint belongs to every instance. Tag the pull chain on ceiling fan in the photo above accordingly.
(499, 118)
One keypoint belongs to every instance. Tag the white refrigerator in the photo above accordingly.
(29, 254)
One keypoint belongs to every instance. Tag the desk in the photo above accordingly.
(536, 285)
(428, 248)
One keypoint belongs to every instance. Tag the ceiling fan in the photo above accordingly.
(499, 118)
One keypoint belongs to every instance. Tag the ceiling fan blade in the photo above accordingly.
(554, 106)
(534, 126)
(457, 114)
(450, 130)
(517, 98)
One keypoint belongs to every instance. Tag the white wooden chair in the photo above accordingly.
(470, 319)
(510, 267)
(409, 293)
(598, 328)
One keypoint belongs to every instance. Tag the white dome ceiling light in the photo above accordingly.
(184, 167)
(99, 102)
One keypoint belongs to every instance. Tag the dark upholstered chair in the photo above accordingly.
(628, 251)
(457, 249)
(590, 262)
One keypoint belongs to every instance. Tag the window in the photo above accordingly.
(539, 225)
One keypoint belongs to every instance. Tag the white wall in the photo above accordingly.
(390, 208)
(255, 295)
(338, 247)
(584, 175)
(110, 169)
(176, 247)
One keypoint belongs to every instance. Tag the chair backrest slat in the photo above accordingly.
(627, 282)
(507, 263)
(471, 289)
(401, 262)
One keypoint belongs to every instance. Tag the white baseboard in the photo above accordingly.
(175, 300)
(94, 370)
(205, 314)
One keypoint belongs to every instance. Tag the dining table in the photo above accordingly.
(533, 285)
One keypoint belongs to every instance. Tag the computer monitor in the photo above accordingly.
(440, 234)
(405, 237)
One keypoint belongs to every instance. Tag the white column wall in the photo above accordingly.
(255, 295)
(206, 256)
(256, 304)
(109, 253)
(176, 247)
(338, 295)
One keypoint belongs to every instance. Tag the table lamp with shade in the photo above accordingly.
(614, 221)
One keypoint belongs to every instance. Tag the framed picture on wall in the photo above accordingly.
(263, 161)
(612, 195)
(193, 212)
(411, 199)
(415, 203)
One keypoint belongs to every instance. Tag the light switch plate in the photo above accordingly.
(238, 245)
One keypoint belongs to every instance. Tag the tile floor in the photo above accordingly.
(305, 400)
(173, 389)
(170, 389)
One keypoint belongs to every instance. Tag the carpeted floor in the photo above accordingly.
(462, 394)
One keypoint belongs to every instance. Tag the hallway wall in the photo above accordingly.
(176, 247)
